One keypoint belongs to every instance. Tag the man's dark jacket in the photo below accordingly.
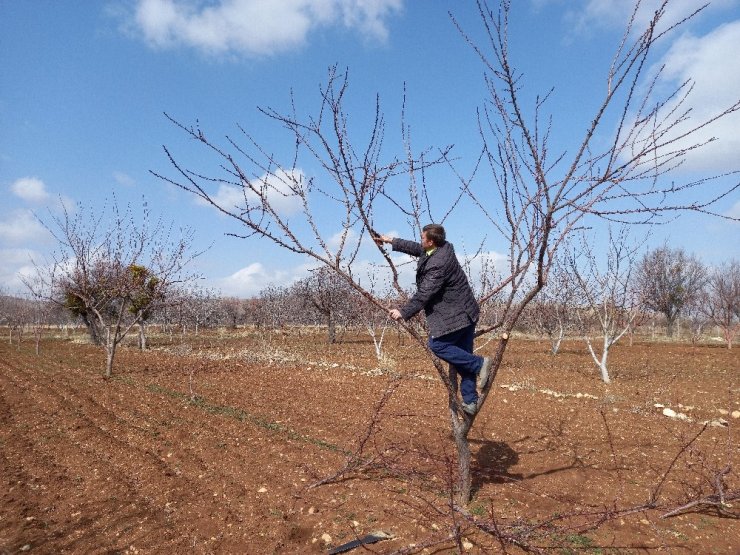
(442, 289)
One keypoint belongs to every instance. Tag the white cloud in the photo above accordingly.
(250, 280)
(350, 241)
(30, 189)
(276, 188)
(594, 14)
(22, 227)
(227, 196)
(255, 27)
(15, 263)
(716, 74)
(124, 179)
(33, 190)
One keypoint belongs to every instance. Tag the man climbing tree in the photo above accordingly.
(445, 295)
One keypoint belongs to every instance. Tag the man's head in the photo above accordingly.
(432, 236)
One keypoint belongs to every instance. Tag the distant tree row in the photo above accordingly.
(600, 302)
(658, 290)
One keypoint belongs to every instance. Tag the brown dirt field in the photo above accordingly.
(209, 446)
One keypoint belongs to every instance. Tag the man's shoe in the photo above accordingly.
(469, 408)
(484, 373)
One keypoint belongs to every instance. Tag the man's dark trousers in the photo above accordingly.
(456, 348)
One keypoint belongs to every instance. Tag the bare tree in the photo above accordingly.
(13, 313)
(234, 310)
(721, 303)
(374, 320)
(277, 307)
(529, 193)
(670, 281)
(110, 276)
(553, 314)
(696, 319)
(4, 306)
(328, 294)
(40, 314)
(200, 307)
(610, 302)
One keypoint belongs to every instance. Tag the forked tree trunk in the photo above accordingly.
(461, 423)
(601, 362)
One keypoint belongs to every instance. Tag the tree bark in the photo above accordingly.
(111, 353)
(465, 483)
(142, 336)
(332, 327)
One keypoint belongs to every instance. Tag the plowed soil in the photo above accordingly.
(211, 444)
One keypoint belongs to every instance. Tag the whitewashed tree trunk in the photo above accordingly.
(558, 339)
(601, 362)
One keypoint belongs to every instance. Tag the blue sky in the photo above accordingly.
(85, 84)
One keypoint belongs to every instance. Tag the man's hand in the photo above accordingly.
(380, 239)
(395, 314)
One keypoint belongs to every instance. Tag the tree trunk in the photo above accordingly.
(109, 362)
(465, 484)
(142, 336)
(604, 356)
(557, 340)
(331, 325)
(601, 363)
(460, 429)
(91, 330)
(672, 325)
(110, 351)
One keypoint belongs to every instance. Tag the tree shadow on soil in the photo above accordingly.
(492, 463)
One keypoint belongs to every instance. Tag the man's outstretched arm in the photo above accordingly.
(401, 245)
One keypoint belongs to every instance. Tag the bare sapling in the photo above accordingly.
(610, 302)
(330, 296)
(554, 314)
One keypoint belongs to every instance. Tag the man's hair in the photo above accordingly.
(435, 233)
